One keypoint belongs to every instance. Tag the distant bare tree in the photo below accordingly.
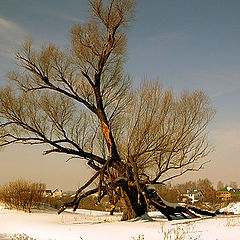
(80, 102)
(220, 185)
(188, 186)
(203, 184)
(233, 184)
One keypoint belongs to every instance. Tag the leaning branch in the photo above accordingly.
(76, 201)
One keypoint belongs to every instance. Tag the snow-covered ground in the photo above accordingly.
(93, 225)
(233, 208)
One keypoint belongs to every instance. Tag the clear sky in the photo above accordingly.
(186, 44)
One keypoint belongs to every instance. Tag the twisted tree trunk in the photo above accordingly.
(134, 203)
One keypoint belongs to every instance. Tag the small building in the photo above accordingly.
(228, 193)
(48, 193)
(57, 193)
(194, 196)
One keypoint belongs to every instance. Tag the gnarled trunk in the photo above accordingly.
(134, 203)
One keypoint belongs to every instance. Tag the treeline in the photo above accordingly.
(203, 184)
(173, 193)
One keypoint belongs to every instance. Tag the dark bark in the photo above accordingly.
(134, 203)
(76, 201)
(171, 210)
(114, 197)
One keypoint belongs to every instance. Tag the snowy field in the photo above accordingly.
(93, 225)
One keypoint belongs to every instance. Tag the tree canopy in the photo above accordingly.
(79, 101)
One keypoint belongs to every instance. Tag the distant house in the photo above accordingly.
(57, 193)
(48, 193)
(228, 193)
(194, 195)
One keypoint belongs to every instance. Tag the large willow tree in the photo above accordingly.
(79, 102)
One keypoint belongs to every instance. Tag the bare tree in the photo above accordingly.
(233, 184)
(220, 185)
(203, 184)
(80, 102)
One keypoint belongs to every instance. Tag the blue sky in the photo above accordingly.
(186, 44)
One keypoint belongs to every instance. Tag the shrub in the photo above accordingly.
(22, 194)
(22, 236)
